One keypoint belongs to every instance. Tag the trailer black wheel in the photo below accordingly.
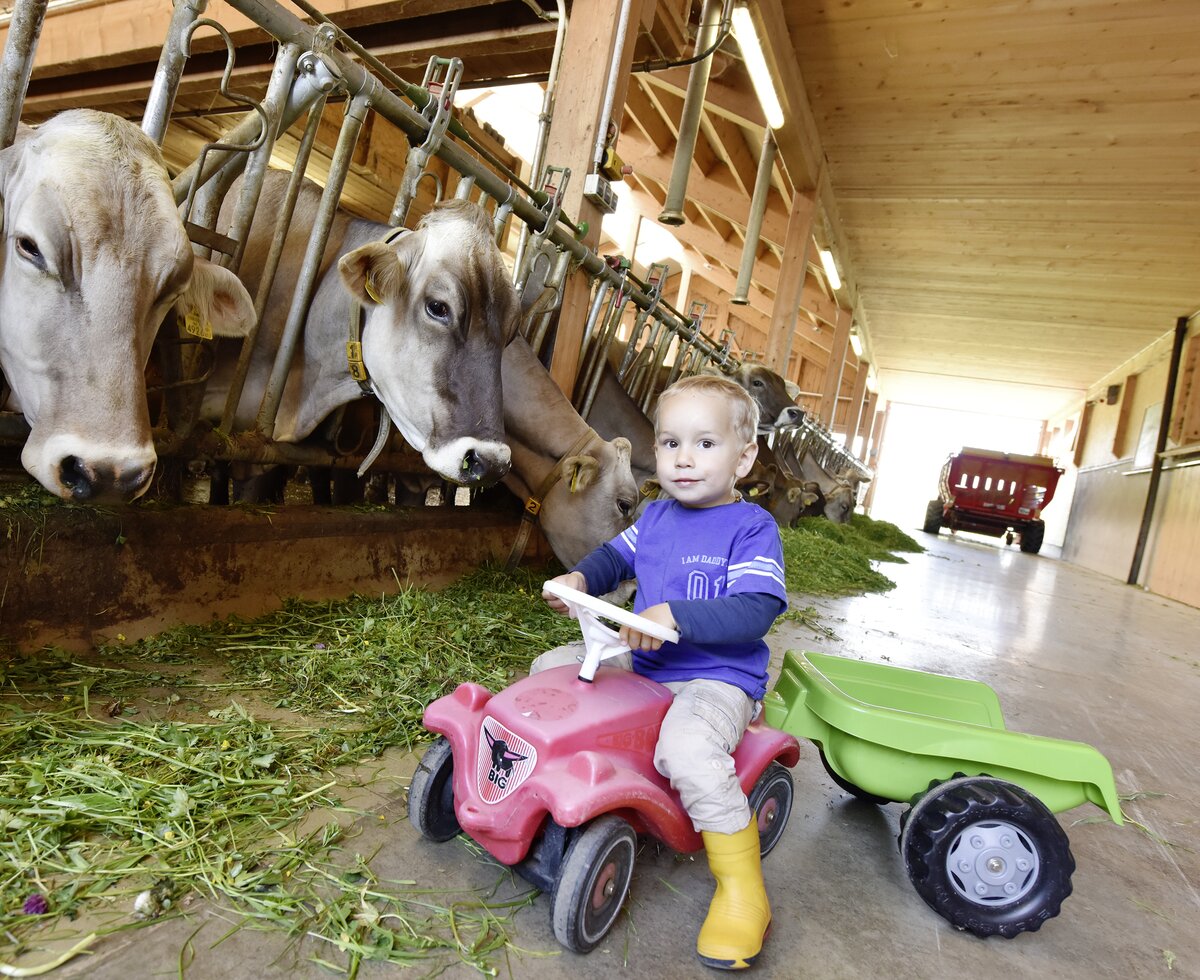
(987, 856)
(1031, 537)
(933, 517)
(771, 803)
(431, 794)
(849, 787)
(592, 883)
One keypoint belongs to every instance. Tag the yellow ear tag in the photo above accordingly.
(369, 286)
(197, 327)
(574, 485)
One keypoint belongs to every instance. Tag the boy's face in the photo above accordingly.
(698, 455)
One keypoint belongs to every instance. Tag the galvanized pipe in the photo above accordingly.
(545, 116)
(278, 89)
(287, 27)
(19, 49)
(689, 121)
(306, 286)
(610, 87)
(754, 222)
(170, 69)
(271, 267)
(1156, 468)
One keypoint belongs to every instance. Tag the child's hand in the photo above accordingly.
(573, 580)
(637, 640)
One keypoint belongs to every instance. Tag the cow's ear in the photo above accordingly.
(624, 449)
(808, 498)
(372, 273)
(218, 299)
(504, 309)
(756, 490)
(579, 472)
(794, 494)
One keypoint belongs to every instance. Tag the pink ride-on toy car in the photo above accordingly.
(555, 776)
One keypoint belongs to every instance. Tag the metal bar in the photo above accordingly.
(278, 89)
(689, 122)
(24, 30)
(754, 222)
(283, 223)
(610, 87)
(1164, 427)
(356, 114)
(170, 68)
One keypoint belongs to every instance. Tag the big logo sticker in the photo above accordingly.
(505, 761)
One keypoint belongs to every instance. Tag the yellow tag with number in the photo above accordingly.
(196, 326)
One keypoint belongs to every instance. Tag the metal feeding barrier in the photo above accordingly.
(317, 64)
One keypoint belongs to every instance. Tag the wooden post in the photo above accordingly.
(588, 52)
(833, 373)
(792, 270)
(874, 452)
(854, 411)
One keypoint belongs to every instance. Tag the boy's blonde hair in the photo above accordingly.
(743, 410)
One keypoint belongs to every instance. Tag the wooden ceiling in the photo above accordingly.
(1012, 189)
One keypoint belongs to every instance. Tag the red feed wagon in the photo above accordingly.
(996, 494)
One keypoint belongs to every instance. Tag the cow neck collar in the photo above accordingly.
(358, 368)
(533, 503)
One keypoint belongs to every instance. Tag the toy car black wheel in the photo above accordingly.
(592, 883)
(1032, 537)
(431, 794)
(771, 803)
(933, 517)
(848, 787)
(987, 856)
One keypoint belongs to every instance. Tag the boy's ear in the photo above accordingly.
(746, 459)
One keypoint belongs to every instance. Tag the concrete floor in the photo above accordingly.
(1070, 654)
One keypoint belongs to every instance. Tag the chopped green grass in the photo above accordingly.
(99, 806)
(827, 559)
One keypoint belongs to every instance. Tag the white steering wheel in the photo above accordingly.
(602, 641)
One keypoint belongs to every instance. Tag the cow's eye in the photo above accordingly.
(28, 248)
(625, 507)
(757, 382)
(438, 310)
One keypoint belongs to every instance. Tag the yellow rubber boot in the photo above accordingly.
(739, 915)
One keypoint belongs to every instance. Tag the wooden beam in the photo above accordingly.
(727, 137)
(718, 191)
(791, 282)
(837, 364)
(587, 53)
(855, 408)
(731, 98)
(643, 111)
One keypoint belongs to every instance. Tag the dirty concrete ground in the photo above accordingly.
(1071, 655)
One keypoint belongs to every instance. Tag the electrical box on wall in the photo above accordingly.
(1113, 395)
(600, 192)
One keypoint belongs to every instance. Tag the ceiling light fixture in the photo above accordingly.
(756, 65)
(856, 344)
(835, 281)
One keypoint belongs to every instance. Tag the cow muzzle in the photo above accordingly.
(90, 474)
(469, 462)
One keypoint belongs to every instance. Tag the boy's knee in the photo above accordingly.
(569, 653)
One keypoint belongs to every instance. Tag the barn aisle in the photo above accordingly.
(1070, 654)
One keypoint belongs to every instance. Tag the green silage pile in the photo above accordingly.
(826, 559)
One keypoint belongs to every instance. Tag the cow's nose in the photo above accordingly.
(77, 477)
(86, 481)
(477, 467)
(131, 481)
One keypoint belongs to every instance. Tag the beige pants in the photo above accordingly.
(701, 729)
